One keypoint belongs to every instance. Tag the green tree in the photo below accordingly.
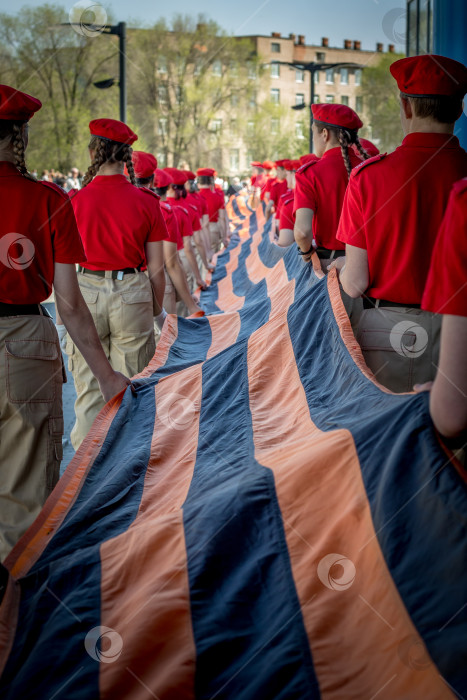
(381, 102)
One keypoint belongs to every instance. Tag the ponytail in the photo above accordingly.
(344, 136)
(106, 151)
(14, 129)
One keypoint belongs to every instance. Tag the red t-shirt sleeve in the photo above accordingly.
(67, 245)
(446, 287)
(286, 219)
(305, 195)
(158, 230)
(351, 227)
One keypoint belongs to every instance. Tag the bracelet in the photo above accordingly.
(300, 252)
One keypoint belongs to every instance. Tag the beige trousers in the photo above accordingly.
(122, 311)
(400, 345)
(181, 306)
(31, 421)
(216, 237)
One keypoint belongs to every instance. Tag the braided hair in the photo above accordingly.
(346, 138)
(14, 130)
(106, 151)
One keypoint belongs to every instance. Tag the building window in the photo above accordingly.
(275, 124)
(252, 101)
(233, 126)
(234, 159)
(161, 64)
(275, 47)
(345, 100)
(250, 128)
(275, 96)
(359, 104)
(216, 125)
(329, 99)
(299, 99)
(217, 68)
(252, 71)
(320, 56)
(299, 130)
(358, 76)
(329, 76)
(316, 77)
(419, 27)
(317, 99)
(299, 75)
(344, 76)
(234, 100)
(275, 70)
(162, 94)
(162, 126)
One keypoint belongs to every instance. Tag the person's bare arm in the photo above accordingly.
(190, 254)
(448, 399)
(75, 315)
(199, 242)
(177, 275)
(303, 233)
(286, 237)
(155, 262)
(354, 274)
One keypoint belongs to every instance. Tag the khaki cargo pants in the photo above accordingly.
(216, 236)
(31, 421)
(122, 311)
(400, 345)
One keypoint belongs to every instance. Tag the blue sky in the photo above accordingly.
(368, 20)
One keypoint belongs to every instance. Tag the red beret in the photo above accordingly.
(430, 76)
(177, 177)
(256, 164)
(205, 172)
(295, 164)
(144, 164)
(336, 115)
(307, 158)
(17, 105)
(161, 179)
(281, 163)
(369, 147)
(190, 175)
(287, 164)
(112, 130)
(268, 164)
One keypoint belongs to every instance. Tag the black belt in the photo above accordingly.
(370, 303)
(22, 310)
(116, 274)
(324, 253)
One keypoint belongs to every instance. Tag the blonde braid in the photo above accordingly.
(365, 155)
(126, 153)
(344, 141)
(18, 151)
(100, 157)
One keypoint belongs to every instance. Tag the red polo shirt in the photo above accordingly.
(173, 232)
(194, 214)
(446, 287)
(267, 186)
(116, 220)
(37, 229)
(280, 203)
(320, 185)
(287, 217)
(198, 201)
(213, 202)
(277, 189)
(393, 208)
(183, 221)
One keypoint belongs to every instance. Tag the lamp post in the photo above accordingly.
(120, 31)
(312, 68)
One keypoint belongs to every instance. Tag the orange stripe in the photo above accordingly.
(225, 329)
(167, 339)
(227, 299)
(357, 635)
(145, 590)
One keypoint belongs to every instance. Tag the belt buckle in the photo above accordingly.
(120, 274)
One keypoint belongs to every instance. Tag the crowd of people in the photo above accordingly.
(127, 242)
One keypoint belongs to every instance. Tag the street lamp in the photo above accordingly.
(312, 68)
(120, 31)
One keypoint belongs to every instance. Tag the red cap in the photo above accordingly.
(280, 163)
(369, 147)
(287, 164)
(295, 164)
(268, 165)
(112, 130)
(430, 76)
(256, 164)
(144, 164)
(336, 115)
(17, 105)
(161, 179)
(307, 158)
(205, 172)
(190, 175)
(176, 176)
